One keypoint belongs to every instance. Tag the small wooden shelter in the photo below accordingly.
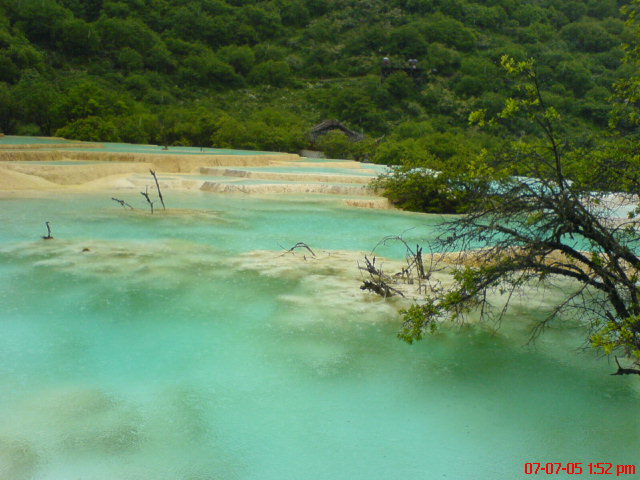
(329, 125)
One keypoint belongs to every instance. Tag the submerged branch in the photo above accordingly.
(299, 245)
(49, 236)
(122, 202)
(378, 281)
(625, 371)
(381, 288)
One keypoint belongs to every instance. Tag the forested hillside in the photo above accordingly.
(259, 74)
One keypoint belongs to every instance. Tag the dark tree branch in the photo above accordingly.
(299, 245)
(49, 236)
(145, 194)
(378, 281)
(158, 187)
(625, 371)
(381, 288)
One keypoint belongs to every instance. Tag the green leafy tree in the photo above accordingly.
(231, 133)
(140, 128)
(118, 33)
(602, 8)
(421, 189)
(90, 129)
(294, 13)
(9, 71)
(596, 106)
(192, 22)
(400, 86)
(78, 38)
(450, 32)
(442, 60)
(40, 20)
(544, 229)
(278, 130)
(272, 72)
(575, 76)
(256, 23)
(9, 112)
(491, 17)
(207, 69)
(241, 58)
(39, 101)
(193, 125)
(469, 86)
(88, 11)
(335, 144)
(116, 9)
(625, 112)
(128, 60)
(92, 99)
(528, 13)
(420, 6)
(408, 152)
(407, 41)
(588, 36)
(26, 57)
(425, 176)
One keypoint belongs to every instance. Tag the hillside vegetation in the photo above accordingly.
(259, 74)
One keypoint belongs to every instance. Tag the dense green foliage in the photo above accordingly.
(258, 74)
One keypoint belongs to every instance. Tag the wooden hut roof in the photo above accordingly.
(329, 125)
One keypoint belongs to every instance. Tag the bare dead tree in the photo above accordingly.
(158, 187)
(413, 257)
(415, 271)
(145, 194)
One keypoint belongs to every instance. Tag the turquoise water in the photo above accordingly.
(138, 346)
(21, 140)
(124, 147)
(366, 170)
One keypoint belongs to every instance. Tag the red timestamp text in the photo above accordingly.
(600, 468)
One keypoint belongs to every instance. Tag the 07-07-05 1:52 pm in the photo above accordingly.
(578, 468)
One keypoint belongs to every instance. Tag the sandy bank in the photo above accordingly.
(377, 203)
(287, 176)
(15, 180)
(286, 188)
(168, 163)
(76, 174)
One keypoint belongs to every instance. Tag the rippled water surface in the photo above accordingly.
(164, 347)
